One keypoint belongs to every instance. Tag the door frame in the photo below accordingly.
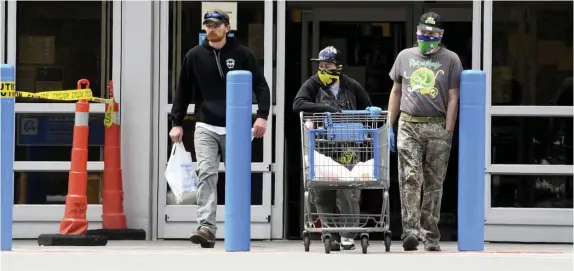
(317, 15)
(177, 221)
(408, 14)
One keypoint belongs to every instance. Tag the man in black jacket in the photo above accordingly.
(332, 91)
(203, 73)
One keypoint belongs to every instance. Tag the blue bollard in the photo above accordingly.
(7, 115)
(238, 162)
(471, 165)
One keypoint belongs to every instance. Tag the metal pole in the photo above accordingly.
(471, 166)
(7, 115)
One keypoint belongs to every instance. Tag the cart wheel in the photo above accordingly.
(306, 241)
(327, 243)
(388, 242)
(364, 243)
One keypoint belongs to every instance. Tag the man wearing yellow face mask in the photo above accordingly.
(330, 90)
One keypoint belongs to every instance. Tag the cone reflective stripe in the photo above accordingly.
(74, 222)
(113, 216)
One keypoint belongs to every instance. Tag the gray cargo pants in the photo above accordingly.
(209, 151)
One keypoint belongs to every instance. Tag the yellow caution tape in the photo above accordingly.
(7, 91)
(109, 116)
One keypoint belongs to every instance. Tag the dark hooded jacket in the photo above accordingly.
(314, 97)
(203, 74)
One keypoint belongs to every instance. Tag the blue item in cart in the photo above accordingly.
(342, 131)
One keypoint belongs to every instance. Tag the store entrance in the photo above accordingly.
(369, 45)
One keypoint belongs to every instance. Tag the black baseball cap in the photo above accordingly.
(430, 21)
(217, 16)
(328, 54)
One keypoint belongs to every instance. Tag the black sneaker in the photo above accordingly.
(432, 246)
(410, 243)
(335, 245)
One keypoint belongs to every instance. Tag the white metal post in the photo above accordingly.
(487, 67)
(11, 35)
(2, 29)
(162, 136)
(268, 138)
(476, 33)
(277, 228)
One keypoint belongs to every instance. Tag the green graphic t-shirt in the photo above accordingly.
(426, 80)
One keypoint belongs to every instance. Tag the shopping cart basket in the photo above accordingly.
(347, 150)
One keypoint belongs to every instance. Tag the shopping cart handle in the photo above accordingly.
(357, 112)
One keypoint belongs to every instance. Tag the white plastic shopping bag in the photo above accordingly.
(363, 171)
(327, 169)
(180, 173)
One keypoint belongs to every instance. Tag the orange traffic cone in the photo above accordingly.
(114, 225)
(74, 224)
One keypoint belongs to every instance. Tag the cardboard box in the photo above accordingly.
(37, 50)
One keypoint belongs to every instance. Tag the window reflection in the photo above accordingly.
(532, 52)
(532, 191)
(185, 26)
(51, 187)
(528, 140)
(61, 42)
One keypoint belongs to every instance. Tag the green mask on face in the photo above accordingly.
(427, 46)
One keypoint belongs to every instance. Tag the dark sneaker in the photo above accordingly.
(432, 246)
(203, 237)
(410, 243)
(335, 245)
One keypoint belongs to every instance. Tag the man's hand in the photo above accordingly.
(176, 134)
(259, 127)
(375, 110)
(452, 109)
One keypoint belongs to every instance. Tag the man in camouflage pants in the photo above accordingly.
(425, 92)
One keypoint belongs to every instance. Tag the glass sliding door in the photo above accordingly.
(53, 45)
(528, 59)
(180, 23)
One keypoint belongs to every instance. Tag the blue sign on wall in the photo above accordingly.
(55, 130)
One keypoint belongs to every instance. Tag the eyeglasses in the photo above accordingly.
(215, 15)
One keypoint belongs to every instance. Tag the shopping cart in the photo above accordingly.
(347, 150)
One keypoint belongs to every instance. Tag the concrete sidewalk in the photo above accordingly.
(280, 255)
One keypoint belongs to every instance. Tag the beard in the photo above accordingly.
(213, 37)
